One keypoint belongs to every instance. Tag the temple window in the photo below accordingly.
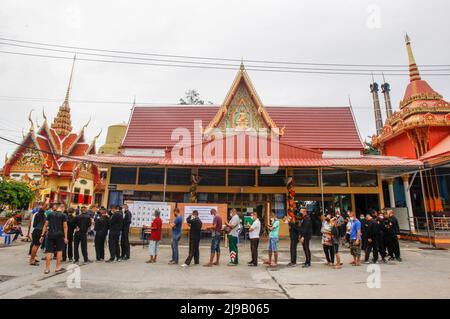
(363, 179)
(241, 177)
(335, 178)
(277, 179)
(151, 176)
(179, 176)
(123, 175)
(306, 177)
(212, 177)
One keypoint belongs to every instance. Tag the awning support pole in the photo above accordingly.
(321, 191)
(425, 208)
(165, 184)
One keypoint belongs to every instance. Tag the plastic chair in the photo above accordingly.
(6, 236)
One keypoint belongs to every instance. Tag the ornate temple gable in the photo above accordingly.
(26, 157)
(242, 108)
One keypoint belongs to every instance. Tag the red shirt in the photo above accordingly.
(156, 229)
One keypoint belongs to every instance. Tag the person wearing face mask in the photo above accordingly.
(382, 236)
(233, 237)
(195, 225)
(306, 234)
(327, 241)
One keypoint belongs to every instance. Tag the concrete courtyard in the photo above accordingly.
(422, 274)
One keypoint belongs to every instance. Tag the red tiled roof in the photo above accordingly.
(363, 161)
(321, 128)
(440, 149)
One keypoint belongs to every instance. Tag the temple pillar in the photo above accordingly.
(391, 192)
(405, 179)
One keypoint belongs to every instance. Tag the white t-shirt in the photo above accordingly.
(234, 222)
(255, 229)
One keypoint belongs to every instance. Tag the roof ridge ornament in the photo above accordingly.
(414, 74)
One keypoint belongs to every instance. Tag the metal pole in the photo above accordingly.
(425, 208)
(165, 183)
(321, 191)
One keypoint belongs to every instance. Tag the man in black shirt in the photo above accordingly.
(125, 242)
(393, 233)
(194, 238)
(294, 234)
(38, 225)
(82, 224)
(101, 229)
(306, 234)
(70, 231)
(115, 228)
(373, 231)
(55, 228)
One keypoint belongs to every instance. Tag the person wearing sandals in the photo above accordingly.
(155, 237)
(38, 225)
(216, 236)
(55, 228)
(274, 228)
(355, 240)
(335, 233)
(327, 241)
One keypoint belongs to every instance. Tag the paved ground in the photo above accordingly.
(423, 274)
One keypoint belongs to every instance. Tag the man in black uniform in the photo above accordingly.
(55, 228)
(125, 242)
(306, 234)
(194, 238)
(115, 228)
(364, 227)
(82, 224)
(393, 235)
(294, 234)
(372, 236)
(101, 230)
(38, 225)
(68, 251)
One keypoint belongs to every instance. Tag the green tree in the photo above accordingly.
(15, 194)
(192, 97)
(369, 149)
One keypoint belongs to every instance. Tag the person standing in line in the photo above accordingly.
(274, 229)
(336, 240)
(216, 236)
(176, 235)
(68, 251)
(355, 239)
(372, 235)
(306, 234)
(382, 237)
(233, 234)
(294, 234)
(82, 224)
(155, 237)
(327, 241)
(364, 229)
(38, 224)
(101, 230)
(394, 235)
(194, 238)
(254, 231)
(55, 230)
(115, 228)
(125, 240)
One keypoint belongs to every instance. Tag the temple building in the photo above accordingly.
(420, 130)
(42, 160)
(212, 154)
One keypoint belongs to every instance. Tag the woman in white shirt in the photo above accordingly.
(254, 231)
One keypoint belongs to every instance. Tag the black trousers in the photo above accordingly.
(99, 243)
(394, 246)
(80, 238)
(306, 249)
(125, 243)
(194, 251)
(254, 243)
(329, 253)
(293, 248)
(382, 246)
(68, 249)
(372, 247)
(114, 246)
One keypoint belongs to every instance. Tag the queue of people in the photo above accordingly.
(62, 232)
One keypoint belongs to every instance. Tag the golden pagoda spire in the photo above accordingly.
(62, 122)
(413, 69)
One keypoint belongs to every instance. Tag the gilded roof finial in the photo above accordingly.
(31, 121)
(98, 135)
(6, 158)
(414, 74)
(242, 67)
(62, 123)
(44, 116)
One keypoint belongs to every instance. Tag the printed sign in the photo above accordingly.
(142, 212)
(204, 213)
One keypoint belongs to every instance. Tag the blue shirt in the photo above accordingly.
(275, 230)
(177, 229)
(356, 225)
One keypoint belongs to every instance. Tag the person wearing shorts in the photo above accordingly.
(55, 228)
(355, 240)
(274, 228)
(216, 236)
(38, 224)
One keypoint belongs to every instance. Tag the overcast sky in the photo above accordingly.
(349, 32)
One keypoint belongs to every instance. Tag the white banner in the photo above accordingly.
(142, 212)
(204, 213)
